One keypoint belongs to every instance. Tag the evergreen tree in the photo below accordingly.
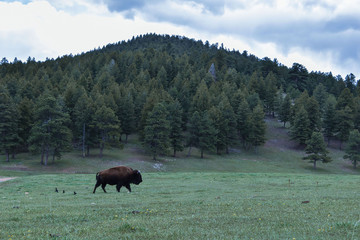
(285, 110)
(314, 114)
(202, 133)
(270, 93)
(207, 134)
(176, 124)
(83, 113)
(127, 116)
(321, 95)
(344, 124)
(50, 133)
(107, 125)
(298, 76)
(9, 138)
(316, 149)
(352, 148)
(300, 131)
(243, 115)
(345, 99)
(201, 100)
(330, 119)
(157, 130)
(26, 118)
(257, 134)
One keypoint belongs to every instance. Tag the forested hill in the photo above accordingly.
(173, 92)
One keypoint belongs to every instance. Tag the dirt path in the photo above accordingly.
(3, 179)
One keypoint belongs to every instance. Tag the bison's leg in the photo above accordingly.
(128, 187)
(96, 185)
(118, 187)
(103, 186)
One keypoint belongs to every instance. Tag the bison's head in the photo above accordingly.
(137, 179)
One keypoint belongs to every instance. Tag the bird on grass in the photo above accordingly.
(63, 191)
(74, 193)
(56, 190)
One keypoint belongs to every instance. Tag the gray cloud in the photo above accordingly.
(215, 7)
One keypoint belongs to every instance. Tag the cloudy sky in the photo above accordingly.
(323, 35)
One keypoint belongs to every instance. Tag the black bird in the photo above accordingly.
(63, 191)
(56, 190)
(74, 193)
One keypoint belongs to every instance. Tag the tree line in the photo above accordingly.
(173, 92)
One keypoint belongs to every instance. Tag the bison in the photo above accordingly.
(119, 176)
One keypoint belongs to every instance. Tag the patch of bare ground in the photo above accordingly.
(16, 168)
(3, 179)
(278, 137)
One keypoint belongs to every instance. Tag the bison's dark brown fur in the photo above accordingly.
(119, 176)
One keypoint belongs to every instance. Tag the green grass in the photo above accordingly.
(197, 205)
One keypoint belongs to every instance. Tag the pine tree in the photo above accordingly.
(330, 119)
(285, 110)
(316, 149)
(321, 95)
(25, 108)
(207, 134)
(157, 130)
(50, 132)
(106, 124)
(344, 124)
(243, 115)
(257, 132)
(202, 133)
(300, 131)
(176, 127)
(9, 138)
(83, 113)
(201, 100)
(352, 148)
(270, 93)
(127, 116)
(314, 114)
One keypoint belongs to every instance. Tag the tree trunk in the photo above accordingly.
(202, 153)
(355, 163)
(174, 152)
(46, 155)
(126, 138)
(102, 144)
(189, 152)
(42, 156)
(83, 142)
(314, 164)
(101, 149)
(7, 156)
(88, 150)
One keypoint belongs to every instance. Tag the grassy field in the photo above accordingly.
(269, 194)
(183, 206)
